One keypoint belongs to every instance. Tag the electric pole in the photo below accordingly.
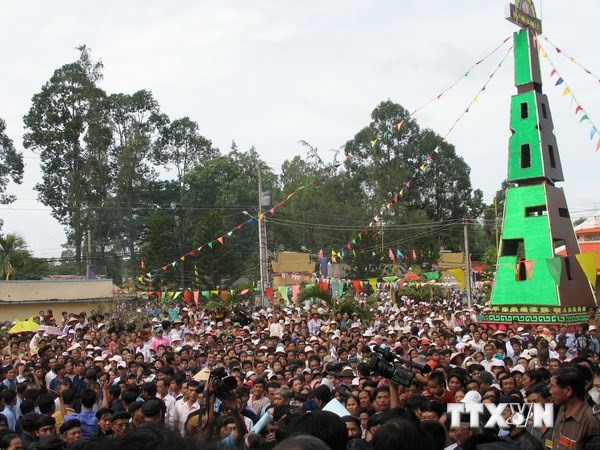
(262, 241)
(467, 263)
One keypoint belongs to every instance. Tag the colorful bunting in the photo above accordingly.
(454, 83)
(250, 221)
(568, 92)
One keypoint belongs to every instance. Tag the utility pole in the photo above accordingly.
(467, 263)
(262, 241)
(88, 270)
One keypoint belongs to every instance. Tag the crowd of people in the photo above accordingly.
(296, 377)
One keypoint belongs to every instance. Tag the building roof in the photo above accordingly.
(590, 226)
(586, 247)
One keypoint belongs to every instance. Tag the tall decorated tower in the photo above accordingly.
(532, 285)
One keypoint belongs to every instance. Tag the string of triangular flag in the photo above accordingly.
(221, 239)
(572, 59)
(567, 91)
(458, 80)
(422, 168)
(476, 98)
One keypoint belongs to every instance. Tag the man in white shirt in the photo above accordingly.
(162, 392)
(187, 405)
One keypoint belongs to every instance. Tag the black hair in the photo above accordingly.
(401, 434)
(328, 427)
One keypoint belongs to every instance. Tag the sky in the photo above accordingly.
(271, 73)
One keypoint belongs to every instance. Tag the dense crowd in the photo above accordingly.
(296, 377)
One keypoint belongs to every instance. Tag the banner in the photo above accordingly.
(283, 291)
(587, 261)
(555, 268)
(458, 274)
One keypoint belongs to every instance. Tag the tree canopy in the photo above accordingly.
(144, 189)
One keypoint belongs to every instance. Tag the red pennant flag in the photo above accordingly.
(269, 292)
(357, 285)
(349, 246)
(553, 72)
(391, 254)
(143, 264)
(414, 254)
(407, 184)
(324, 287)
(187, 297)
(558, 50)
(579, 108)
(272, 210)
(220, 240)
(192, 253)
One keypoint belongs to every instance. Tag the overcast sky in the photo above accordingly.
(270, 73)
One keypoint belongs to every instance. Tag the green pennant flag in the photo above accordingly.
(310, 285)
(283, 291)
(210, 244)
(555, 268)
(206, 294)
(432, 275)
(177, 294)
(390, 279)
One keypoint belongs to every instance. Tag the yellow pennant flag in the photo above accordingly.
(566, 91)
(458, 274)
(373, 143)
(587, 261)
(373, 283)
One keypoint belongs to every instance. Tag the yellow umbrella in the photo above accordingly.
(24, 326)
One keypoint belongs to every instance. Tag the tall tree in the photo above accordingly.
(134, 121)
(11, 165)
(388, 159)
(181, 146)
(62, 125)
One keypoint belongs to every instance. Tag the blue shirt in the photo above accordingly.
(89, 423)
(9, 413)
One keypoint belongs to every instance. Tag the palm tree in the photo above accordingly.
(10, 245)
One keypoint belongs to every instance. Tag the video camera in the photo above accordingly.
(222, 384)
(381, 362)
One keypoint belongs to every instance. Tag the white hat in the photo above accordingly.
(518, 368)
(592, 328)
(497, 363)
(122, 364)
(116, 358)
(471, 397)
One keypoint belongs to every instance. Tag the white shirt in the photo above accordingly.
(170, 412)
(182, 411)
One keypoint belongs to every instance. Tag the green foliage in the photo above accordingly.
(102, 154)
(423, 292)
(11, 165)
(16, 262)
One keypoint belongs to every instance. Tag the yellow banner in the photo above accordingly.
(458, 274)
(587, 261)
(373, 283)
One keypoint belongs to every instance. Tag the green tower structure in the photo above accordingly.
(532, 284)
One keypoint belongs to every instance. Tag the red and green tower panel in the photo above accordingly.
(532, 285)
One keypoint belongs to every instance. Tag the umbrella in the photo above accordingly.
(24, 326)
(52, 331)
